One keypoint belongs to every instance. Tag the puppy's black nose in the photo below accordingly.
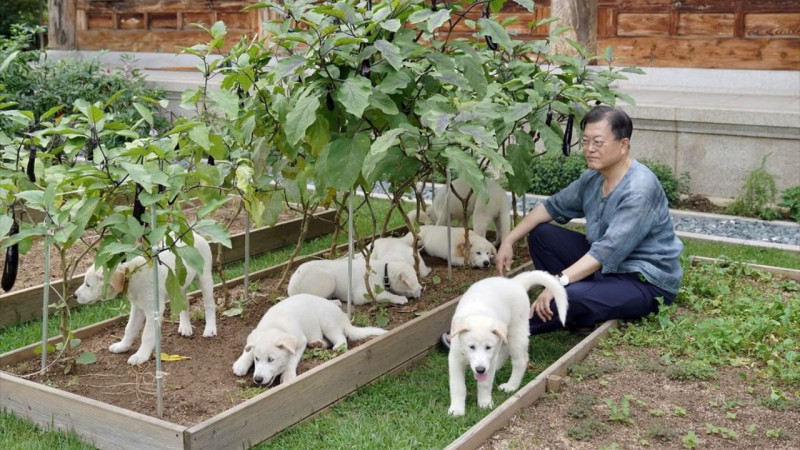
(486, 264)
(480, 369)
(258, 379)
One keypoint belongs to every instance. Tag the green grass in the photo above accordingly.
(409, 410)
(18, 434)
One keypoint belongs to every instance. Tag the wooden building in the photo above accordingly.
(729, 34)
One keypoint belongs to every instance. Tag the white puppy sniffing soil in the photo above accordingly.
(134, 279)
(277, 343)
(489, 324)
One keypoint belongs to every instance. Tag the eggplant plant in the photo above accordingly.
(94, 200)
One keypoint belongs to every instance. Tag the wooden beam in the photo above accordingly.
(62, 19)
(101, 424)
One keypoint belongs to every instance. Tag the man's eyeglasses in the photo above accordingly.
(596, 143)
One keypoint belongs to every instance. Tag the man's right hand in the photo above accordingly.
(502, 260)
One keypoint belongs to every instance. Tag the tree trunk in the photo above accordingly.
(61, 24)
(581, 16)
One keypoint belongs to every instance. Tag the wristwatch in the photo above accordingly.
(563, 278)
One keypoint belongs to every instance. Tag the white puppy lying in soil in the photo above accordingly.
(433, 241)
(328, 278)
(134, 279)
(397, 249)
(491, 322)
(277, 343)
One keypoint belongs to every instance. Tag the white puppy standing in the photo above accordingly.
(495, 209)
(489, 324)
(328, 279)
(433, 241)
(277, 343)
(139, 284)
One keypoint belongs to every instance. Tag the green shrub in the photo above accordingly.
(38, 87)
(552, 173)
(672, 186)
(758, 195)
(791, 199)
(23, 12)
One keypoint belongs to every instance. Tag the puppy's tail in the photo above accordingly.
(355, 333)
(542, 278)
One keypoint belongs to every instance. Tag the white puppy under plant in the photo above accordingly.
(134, 280)
(433, 241)
(489, 324)
(275, 347)
(391, 281)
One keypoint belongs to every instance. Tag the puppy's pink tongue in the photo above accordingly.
(481, 376)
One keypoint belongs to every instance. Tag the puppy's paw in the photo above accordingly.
(455, 411)
(118, 347)
(508, 387)
(137, 359)
(240, 368)
(185, 330)
(484, 403)
(317, 344)
(210, 332)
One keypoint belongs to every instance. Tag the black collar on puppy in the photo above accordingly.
(387, 284)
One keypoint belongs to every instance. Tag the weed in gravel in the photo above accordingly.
(690, 440)
(679, 411)
(661, 432)
(582, 407)
(692, 370)
(723, 432)
(588, 429)
(777, 400)
(590, 369)
(619, 413)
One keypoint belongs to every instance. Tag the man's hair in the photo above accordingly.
(621, 124)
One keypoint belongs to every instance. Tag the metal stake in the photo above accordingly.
(350, 255)
(156, 311)
(246, 255)
(447, 216)
(46, 296)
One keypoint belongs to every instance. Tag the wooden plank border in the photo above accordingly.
(100, 424)
(481, 431)
(794, 274)
(26, 304)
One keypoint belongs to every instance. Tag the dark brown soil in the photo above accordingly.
(198, 388)
(699, 203)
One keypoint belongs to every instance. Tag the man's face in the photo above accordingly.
(601, 148)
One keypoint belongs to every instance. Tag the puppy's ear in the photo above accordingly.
(459, 247)
(458, 326)
(117, 282)
(289, 343)
(493, 250)
(501, 330)
(249, 348)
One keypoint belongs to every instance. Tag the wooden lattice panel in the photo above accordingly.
(157, 25)
(730, 34)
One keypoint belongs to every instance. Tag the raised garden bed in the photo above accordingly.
(413, 333)
(26, 304)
